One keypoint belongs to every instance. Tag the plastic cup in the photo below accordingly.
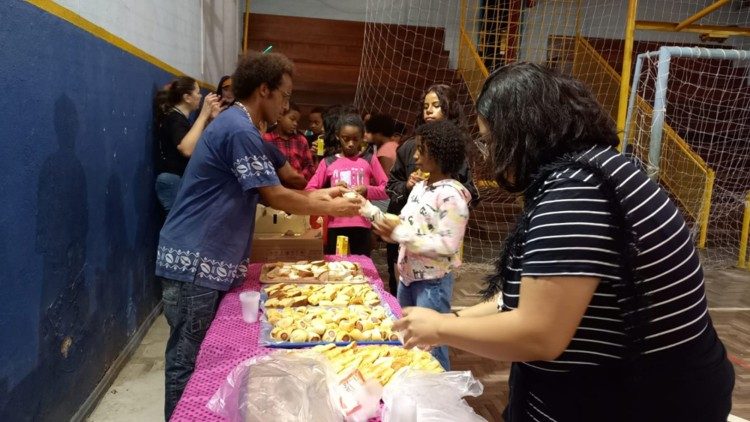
(250, 302)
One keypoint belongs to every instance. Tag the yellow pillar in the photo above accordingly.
(705, 211)
(627, 60)
(742, 261)
(247, 23)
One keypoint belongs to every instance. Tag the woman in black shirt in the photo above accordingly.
(602, 307)
(176, 137)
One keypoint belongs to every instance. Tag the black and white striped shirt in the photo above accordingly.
(571, 233)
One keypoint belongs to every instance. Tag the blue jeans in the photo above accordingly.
(434, 294)
(166, 189)
(189, 310)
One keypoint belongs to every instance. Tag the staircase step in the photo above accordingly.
(311, 52)
(294, 29)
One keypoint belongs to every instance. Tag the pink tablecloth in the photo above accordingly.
(230, 341)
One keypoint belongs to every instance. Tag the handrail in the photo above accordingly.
(474, 54)
(598, 57)
(683, 145)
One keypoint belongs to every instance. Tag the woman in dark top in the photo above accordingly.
(176, 137)
(602, 307)
(225, 92)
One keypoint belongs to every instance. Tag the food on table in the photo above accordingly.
(377, 362)
(287, 295)
(314, 272)
(310, 324)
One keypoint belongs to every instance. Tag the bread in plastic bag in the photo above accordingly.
(418, 396)
(279, 387)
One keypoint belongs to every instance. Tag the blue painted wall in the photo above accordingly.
(79, 220)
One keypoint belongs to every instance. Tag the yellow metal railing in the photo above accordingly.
(590, 67)
(470, 64)
(742, 262)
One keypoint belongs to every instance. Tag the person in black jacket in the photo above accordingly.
(439, 102)
(176, 136)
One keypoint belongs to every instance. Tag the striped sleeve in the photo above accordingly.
(571, 233)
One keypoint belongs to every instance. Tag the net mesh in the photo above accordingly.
(705, 153)
(409, 45)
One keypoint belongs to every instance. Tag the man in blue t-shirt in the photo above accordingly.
(205, 243)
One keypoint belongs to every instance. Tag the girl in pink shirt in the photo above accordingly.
(361, 173)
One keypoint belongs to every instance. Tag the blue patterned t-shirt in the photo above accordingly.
(207, 236)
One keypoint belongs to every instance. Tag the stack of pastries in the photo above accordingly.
(314, 272)
(286, 295)
(311, 324)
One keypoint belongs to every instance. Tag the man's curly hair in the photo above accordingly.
(445, 143)
(255, 69)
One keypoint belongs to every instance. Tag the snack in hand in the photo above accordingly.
(392, 218)
(376, 215)
(424, 175)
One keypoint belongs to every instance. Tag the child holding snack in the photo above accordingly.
(362, 174)
(433, 223)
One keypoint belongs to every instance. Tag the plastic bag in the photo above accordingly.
(417, 396)
(279, 387)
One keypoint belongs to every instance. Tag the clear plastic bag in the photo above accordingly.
(417, 396)
(279, 387)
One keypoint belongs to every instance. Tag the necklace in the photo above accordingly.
(239, 104)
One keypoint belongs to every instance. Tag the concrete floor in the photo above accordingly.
(138, 392)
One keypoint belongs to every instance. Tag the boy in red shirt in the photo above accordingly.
(292, 143)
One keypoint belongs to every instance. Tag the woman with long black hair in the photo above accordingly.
(602, 306)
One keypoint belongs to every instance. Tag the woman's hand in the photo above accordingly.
(420, 327)
(361, 190)
(209, 103)
(217, 108)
